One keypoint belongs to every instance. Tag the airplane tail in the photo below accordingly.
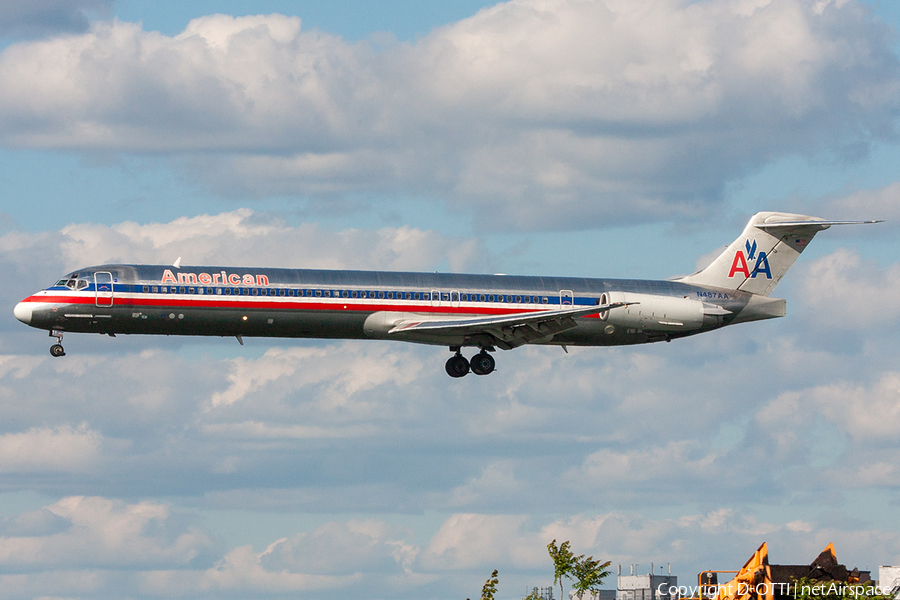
(756, 261)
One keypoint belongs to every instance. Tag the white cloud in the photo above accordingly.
(659, 467)
(880, 203)
(106, 533)
(867, 412)
(467, 541)
(341, 548)
(850, 292)
(282, 371)
(43, 450)
(547, 113)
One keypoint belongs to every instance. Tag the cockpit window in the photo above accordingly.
(73, 284)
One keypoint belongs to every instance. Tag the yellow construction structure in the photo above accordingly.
(752, 582)
(758, 580)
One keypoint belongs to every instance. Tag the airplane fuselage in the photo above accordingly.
(301, 303)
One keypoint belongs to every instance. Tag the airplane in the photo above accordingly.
(455, 310)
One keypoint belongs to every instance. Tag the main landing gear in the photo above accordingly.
(57, 349)
(481, 364)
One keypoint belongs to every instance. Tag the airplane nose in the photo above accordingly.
(23, 311)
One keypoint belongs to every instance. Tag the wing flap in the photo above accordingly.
(511, 330)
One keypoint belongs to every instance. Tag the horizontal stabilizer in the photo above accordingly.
(817, 225)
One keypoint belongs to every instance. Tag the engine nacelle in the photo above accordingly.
(653, 313)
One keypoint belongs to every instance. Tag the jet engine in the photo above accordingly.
(653, 313)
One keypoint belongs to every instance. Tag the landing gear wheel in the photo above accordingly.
(457, 366)
(57, 350)
(482, 363)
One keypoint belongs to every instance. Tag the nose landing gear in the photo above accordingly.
(57, 349)
(481, 364)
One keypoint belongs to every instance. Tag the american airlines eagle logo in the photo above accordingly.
(741, 263)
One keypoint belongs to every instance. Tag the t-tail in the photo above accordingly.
(756, 261)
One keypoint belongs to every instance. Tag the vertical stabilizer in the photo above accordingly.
(756, 261)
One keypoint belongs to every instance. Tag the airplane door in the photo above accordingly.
(454, 298)
(103, 288)
(566, 297)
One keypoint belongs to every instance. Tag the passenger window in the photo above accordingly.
(281, 292)
(255, 291)
(545, 300)
(227, 291)
(181, 290)
(146, 289)
(155, 289)
(190, 290)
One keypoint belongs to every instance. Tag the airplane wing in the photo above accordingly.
(510, 331)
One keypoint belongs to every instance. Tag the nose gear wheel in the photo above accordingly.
(57, 349)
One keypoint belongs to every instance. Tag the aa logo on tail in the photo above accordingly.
(741, 262)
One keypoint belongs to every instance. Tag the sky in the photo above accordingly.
(587, 138)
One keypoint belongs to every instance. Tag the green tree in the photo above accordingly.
(490, 587)
(588, 574)
(563, 563)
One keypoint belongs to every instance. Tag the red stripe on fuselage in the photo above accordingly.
(258, 303)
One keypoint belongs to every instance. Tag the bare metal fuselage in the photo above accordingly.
(298, 303)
